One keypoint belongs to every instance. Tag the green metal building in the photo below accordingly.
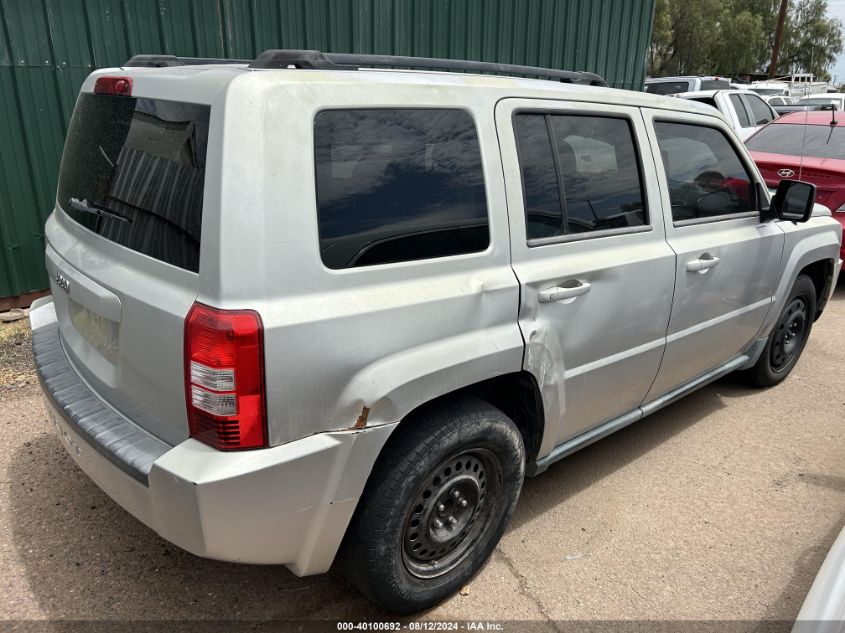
(47, 47)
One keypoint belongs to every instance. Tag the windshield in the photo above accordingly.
(133, 171)
(820, 141)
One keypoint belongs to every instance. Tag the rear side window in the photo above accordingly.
(133, 171)
(543, 208)
(739, 108)
(594, 164)
(398, 185)
(706, 176)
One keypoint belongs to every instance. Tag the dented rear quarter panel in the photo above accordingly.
(363, 346)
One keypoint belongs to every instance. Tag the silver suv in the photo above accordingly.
(303, 311)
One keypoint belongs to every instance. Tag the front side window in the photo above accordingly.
(594, 165)
(741, 113)
(398, 185)
(762, 112)
(705, 175)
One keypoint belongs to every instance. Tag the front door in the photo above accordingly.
(728, 261)
(589, 250)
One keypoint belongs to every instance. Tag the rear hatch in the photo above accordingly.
(123, 248)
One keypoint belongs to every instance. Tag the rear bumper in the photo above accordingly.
(288, 504)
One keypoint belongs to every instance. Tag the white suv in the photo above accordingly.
(301, 309)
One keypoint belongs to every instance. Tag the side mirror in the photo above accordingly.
(794, 200)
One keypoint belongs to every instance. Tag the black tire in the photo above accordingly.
(465, 446)
(788, 337)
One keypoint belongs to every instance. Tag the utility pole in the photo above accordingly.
(773, 68)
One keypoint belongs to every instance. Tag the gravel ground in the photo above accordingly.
(17, 375)
(720, 507)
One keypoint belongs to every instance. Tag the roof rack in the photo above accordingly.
(289, 58)
(292, 58)
(165, 61)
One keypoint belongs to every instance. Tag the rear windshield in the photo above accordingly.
(769, 91)
(819, 101)
(820, 141)
(133, 171)
(667, 87)
(715, 84)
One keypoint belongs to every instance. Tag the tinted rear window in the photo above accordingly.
(133, 171)
(820, 141)
(667, 87)
(715, 84)
(398, 185)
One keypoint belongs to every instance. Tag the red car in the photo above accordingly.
(777, 150)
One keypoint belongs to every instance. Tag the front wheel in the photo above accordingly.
(435, 505)
(788, 337)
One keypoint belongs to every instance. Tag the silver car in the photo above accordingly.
(304, 311)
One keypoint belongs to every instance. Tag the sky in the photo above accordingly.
(836, 9)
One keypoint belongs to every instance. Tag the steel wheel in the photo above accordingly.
(789, 334)
(453, 507)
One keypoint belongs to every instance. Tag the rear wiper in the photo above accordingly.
(96, 209)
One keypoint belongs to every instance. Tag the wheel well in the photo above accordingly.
(516, 395)
(821, 274)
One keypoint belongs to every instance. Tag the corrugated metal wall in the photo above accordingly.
(47, 47)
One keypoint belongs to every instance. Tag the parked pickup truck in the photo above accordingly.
(304, 309)
(745, 110)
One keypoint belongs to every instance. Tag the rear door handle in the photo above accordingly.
(570, 290)
(702, 264)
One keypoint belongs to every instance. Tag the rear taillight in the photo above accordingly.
(113, 86)
(224, 377)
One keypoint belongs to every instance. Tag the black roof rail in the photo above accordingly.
(164, 61)
(290, 58)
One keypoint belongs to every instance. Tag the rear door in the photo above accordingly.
(589, 250)
(123, 248)
(727, 260)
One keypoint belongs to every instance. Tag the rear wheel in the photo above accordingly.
(435, 505)
(788, 337)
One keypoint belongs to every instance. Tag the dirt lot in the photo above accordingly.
(720, 507)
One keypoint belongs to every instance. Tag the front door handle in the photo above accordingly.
(569, 290)
(702, 264)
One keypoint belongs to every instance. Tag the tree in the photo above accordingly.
(812, 41)
(731, 37)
